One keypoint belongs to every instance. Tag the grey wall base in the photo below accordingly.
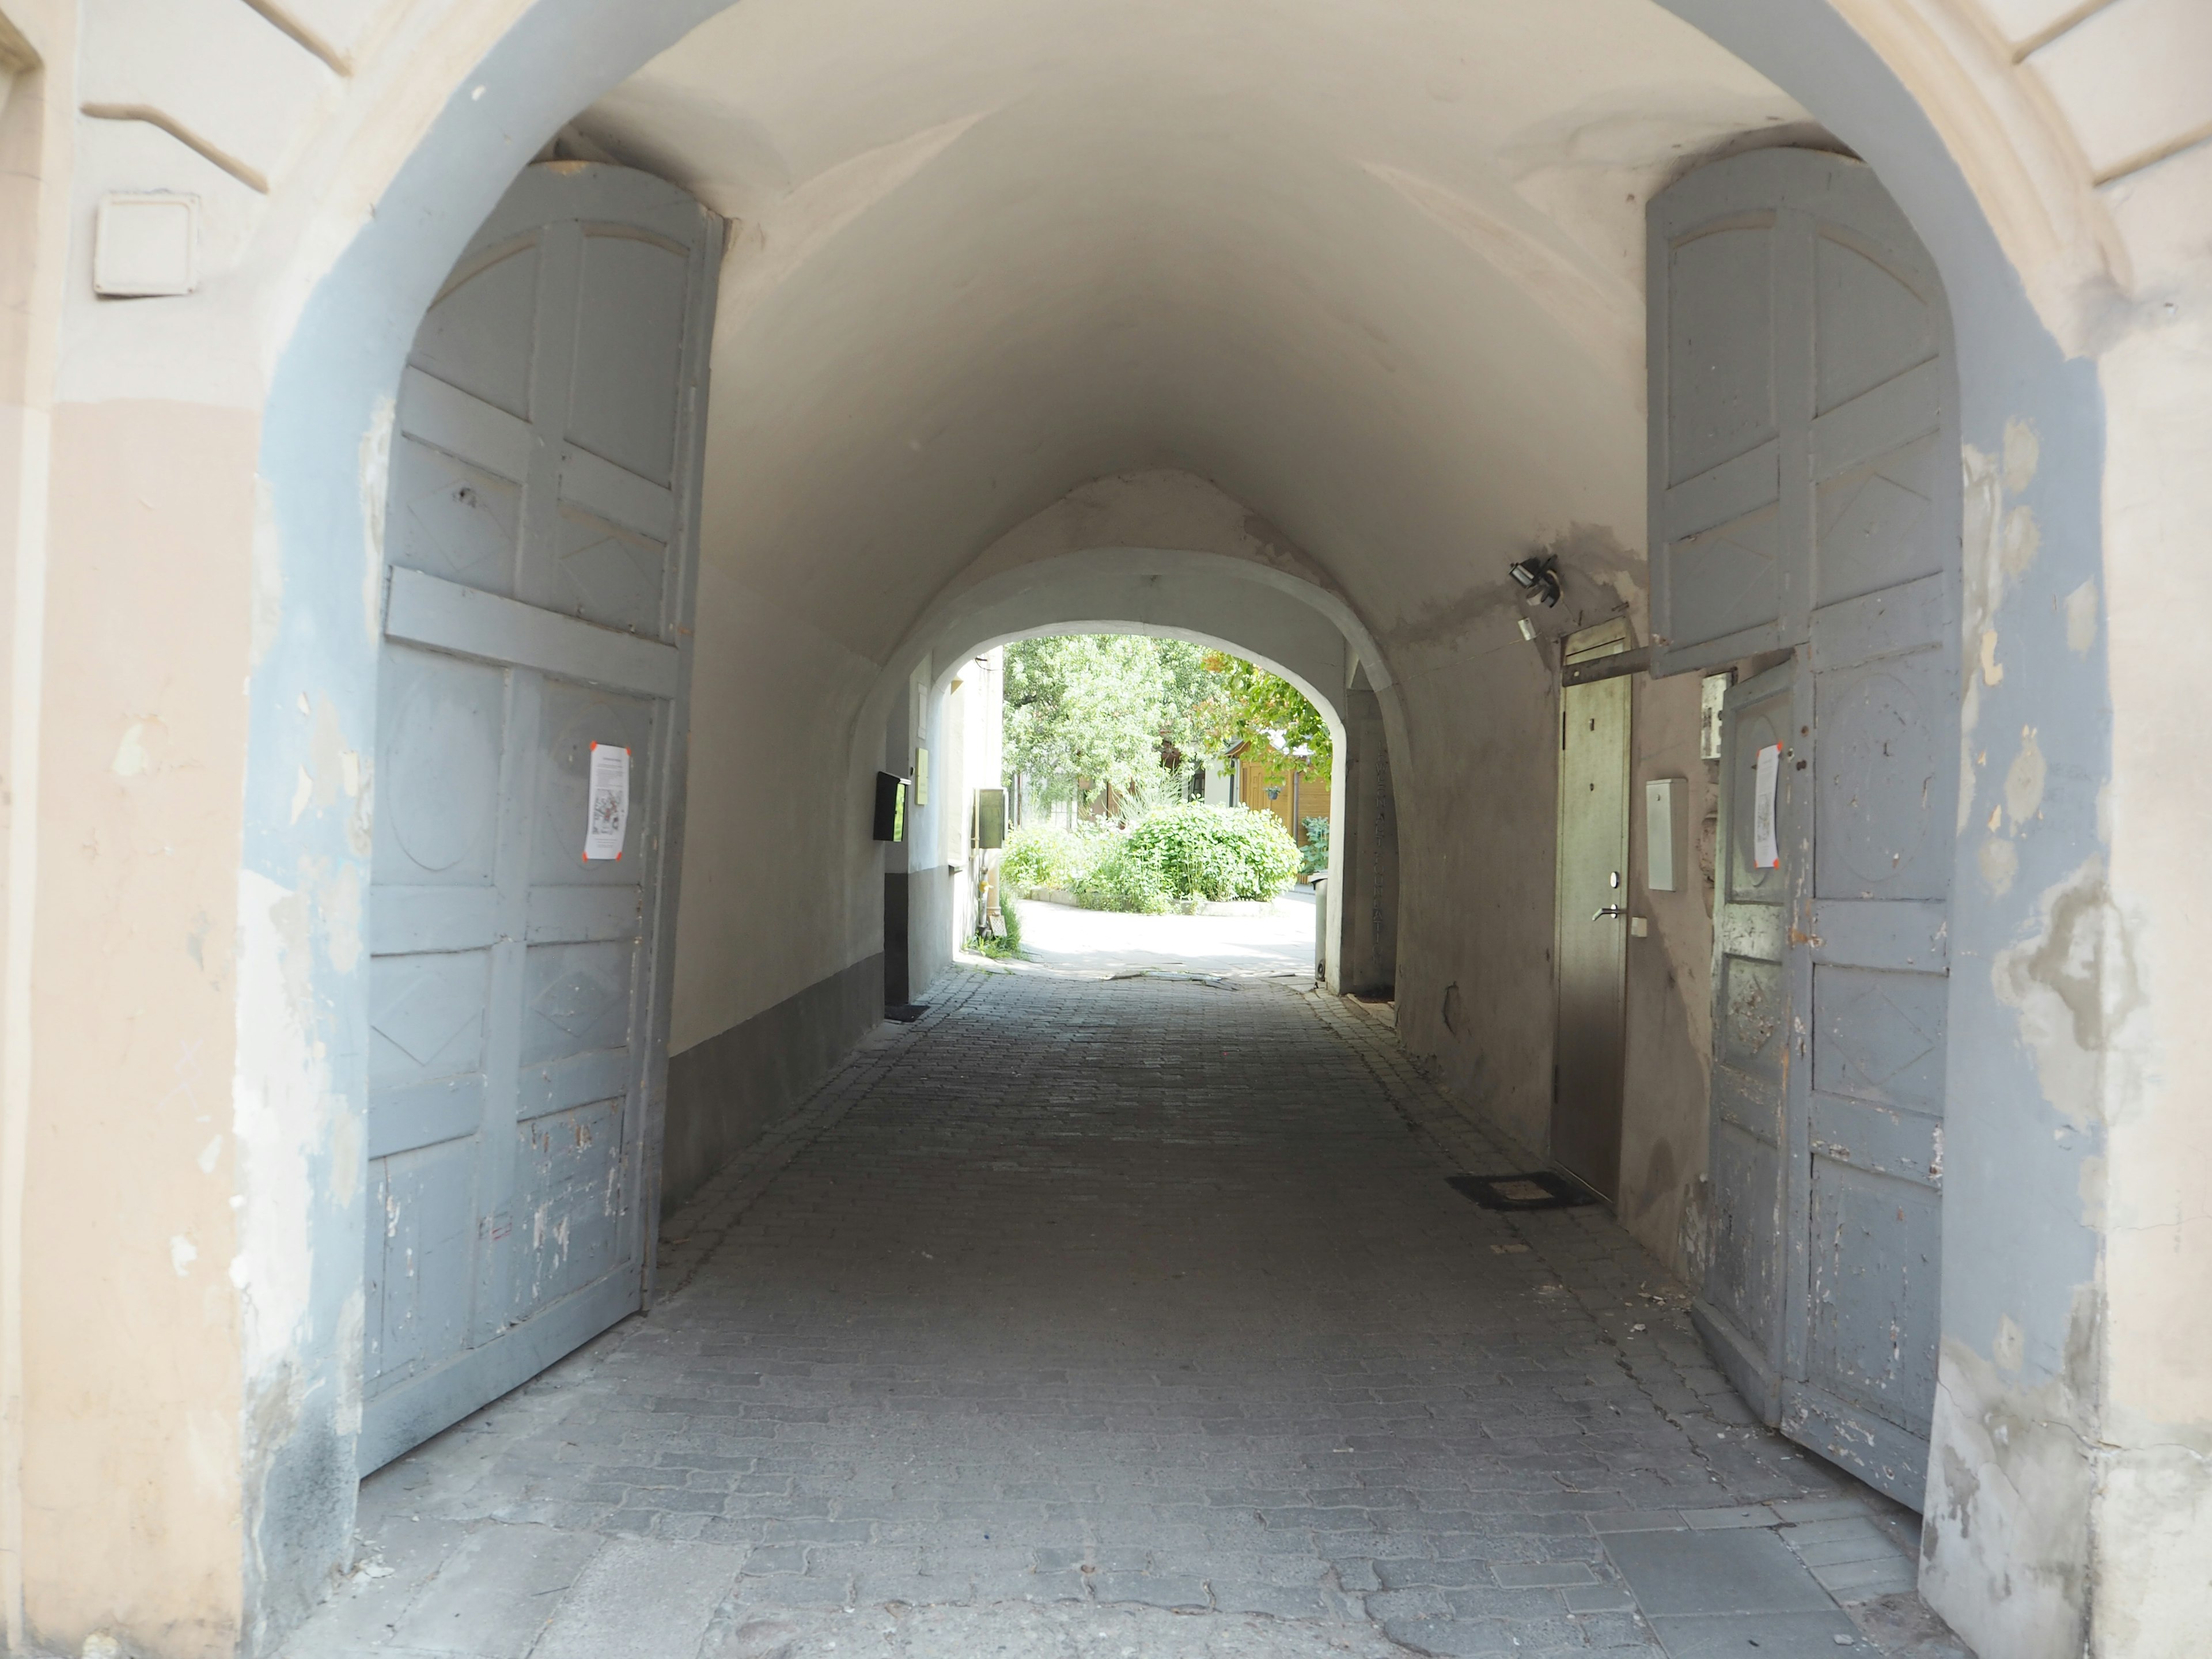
(898, 979)
(723, 1093)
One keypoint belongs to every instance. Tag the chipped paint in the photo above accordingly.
(1998, 861)
(2022, 541)
(2081, 619)
(1992, 670)
(131, 758)
(282, 1112)
(375, 486)
(2024, 779)
(2013, 1483)
(2023, 450)
(2071, 982)
(2009, 1350)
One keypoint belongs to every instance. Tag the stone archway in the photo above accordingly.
(1867, 107)
(330, 276)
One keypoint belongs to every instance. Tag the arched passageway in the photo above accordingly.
(1318, 321)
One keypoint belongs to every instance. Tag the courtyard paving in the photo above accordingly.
(1127, 1317)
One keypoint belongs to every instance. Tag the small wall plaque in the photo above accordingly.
(146, 246)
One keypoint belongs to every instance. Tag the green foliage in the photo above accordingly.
(1269, 714)
(1122, 879)
(1085, 713)
(1183, 852)
(1190, 851)
(1086, 710)
(1313, 857)
(1007, 943)
(1217, 853)
(1042, 855)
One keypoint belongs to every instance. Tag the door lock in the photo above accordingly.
(1609, 910)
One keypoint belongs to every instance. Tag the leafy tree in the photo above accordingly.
(1136, 714)
(1088, 709)
(1284, 732)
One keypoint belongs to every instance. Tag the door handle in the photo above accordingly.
(1609, 910)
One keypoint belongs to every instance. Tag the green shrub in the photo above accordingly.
(1216, 852)
(1189, 851)
(1125, 878)
(1313, 857)
(1044, 855)
(1010, 919)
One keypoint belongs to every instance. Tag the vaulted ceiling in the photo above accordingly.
(1375, 269)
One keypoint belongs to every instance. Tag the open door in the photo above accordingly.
(1805, 498)
(540, 544)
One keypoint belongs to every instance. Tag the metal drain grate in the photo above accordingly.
(1542, 1190)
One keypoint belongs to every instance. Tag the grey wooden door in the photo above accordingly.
(1749, 1141)
(539, 537)
(1805, 497)
(1592, 942)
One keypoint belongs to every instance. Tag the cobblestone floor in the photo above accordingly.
(1131, 1318)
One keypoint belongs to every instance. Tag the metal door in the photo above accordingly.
(540, 538)
(1805, 497)
(1592, 950)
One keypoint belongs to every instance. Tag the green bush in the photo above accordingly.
(1313, 857)
(1216, 852)
(1044, 855)
(1123, 879)
(1190, 851)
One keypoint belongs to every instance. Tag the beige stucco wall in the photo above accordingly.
(131, 1324)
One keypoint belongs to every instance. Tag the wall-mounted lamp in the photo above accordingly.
(1538, 578)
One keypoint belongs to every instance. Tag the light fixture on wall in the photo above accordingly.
(1538, 578)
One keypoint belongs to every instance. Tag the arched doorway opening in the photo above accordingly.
(2030, 420)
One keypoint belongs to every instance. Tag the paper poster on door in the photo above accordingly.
(1766, 845)
(609, 795)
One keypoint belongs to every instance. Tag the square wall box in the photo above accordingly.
(1666, 813)
(146, 246)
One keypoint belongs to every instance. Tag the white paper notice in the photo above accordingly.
(609, 812)
(1765, 846)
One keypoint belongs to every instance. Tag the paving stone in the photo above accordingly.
(1809, 1635)
(1276, 1601)
(1599, 1598)
(1512, 1574)
(1136, 1301)
(1756, 1515)
(1169, 1590)
(1694, 1574)
(1800, 1510)
(642, 1601)
(1449, 1638)
(1857, 1581)
(494, 1596)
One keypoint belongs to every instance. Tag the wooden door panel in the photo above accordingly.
(541, 531)
(1831, 987)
